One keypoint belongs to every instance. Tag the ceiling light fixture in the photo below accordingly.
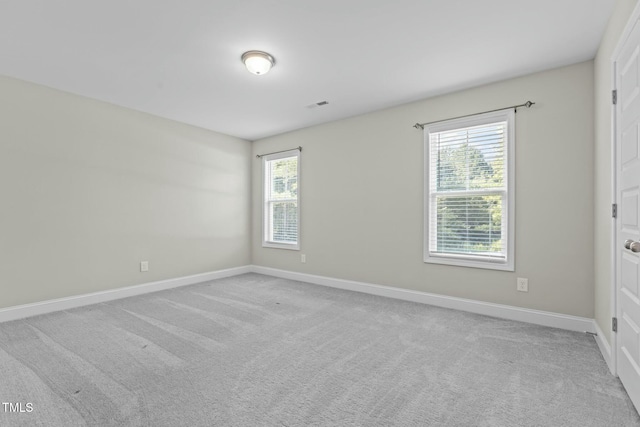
(258, 62)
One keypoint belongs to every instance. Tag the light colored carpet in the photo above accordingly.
(254, 350)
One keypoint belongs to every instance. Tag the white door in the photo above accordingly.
(627, 66)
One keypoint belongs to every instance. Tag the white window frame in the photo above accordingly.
(475, 261)
(267, 230)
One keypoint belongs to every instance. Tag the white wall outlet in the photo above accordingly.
(522, 284)
(144, 265)
(303, 258)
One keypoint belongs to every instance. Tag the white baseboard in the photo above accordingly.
(544, 318)
(605, 347)
(537, 317)
(28, 310)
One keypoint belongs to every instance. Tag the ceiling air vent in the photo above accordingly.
(317, 104)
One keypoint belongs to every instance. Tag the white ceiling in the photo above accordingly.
(180, 59)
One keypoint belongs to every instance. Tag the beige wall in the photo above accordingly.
(602, 166)
(361, 192)
(90, 189)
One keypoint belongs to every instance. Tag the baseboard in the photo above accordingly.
(605, 347)
(544, 318)
(28, 310)
(537, 317)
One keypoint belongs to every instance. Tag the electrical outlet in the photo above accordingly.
(144, 265)
(303, 258)
(522, 284)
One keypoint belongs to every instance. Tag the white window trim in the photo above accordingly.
(475, 261)
(265, 217)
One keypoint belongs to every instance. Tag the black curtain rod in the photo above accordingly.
(527, 104)
(276, 152)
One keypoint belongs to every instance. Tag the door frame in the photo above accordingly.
(626, 32)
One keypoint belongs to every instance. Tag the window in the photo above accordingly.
(469, 191)
(281, 212)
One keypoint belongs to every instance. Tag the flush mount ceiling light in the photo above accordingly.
(258, 62)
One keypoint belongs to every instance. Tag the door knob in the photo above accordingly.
(632, 245)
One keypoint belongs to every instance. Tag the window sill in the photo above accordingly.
(287, 246)
(471, 263)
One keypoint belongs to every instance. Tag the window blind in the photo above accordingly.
(468, 191)
(281, 200)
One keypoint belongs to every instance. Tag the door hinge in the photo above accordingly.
(614, 324)
(614, 96)
(614, 210)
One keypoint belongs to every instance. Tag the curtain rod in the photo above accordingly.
(527, 104)
(276, 152)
